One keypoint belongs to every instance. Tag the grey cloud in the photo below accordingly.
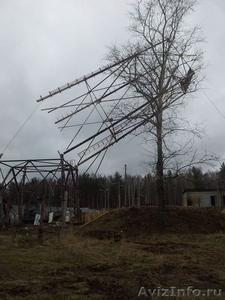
(45, 44)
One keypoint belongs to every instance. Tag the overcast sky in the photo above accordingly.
(47, 43)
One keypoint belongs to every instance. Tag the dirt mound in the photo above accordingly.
(133, 221)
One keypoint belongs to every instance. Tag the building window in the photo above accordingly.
(223, 200)
(189, 203)
(213, 200)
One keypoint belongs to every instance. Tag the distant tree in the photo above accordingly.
(117, 187)
(197, 178)
(221, 177)
(222, 172)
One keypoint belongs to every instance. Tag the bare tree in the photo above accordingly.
(169, 68)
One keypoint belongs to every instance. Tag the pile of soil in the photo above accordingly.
(134, 221)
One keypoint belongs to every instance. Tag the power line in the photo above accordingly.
(21, 128)
(213, 104)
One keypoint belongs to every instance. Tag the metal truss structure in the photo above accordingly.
(99, 96)
(58, 170)
(95, 109)
(96, 117)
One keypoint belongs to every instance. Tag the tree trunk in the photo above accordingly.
(159, 173)
(139, 192)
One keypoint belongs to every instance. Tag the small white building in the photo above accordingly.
(204, 198)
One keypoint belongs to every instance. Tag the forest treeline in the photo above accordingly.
(117, 190)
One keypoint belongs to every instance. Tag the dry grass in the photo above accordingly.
(87, 268)
(79, 267)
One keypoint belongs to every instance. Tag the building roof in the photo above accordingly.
(201, 190)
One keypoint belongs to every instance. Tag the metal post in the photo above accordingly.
(1, 208)
(42, 211)
(64, 207)
(7, 211)
(119, 197)
(77, 195)
(125, 186)
(22, 193)
(42, 214)
(62, 192)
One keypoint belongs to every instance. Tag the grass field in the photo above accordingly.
(77, 266)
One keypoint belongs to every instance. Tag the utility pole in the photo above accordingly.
(119, 197)
(42, 215)
(22, 194)
(76, 204)
(64, 193)
(125, 186)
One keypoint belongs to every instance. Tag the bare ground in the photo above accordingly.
(86, 265)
